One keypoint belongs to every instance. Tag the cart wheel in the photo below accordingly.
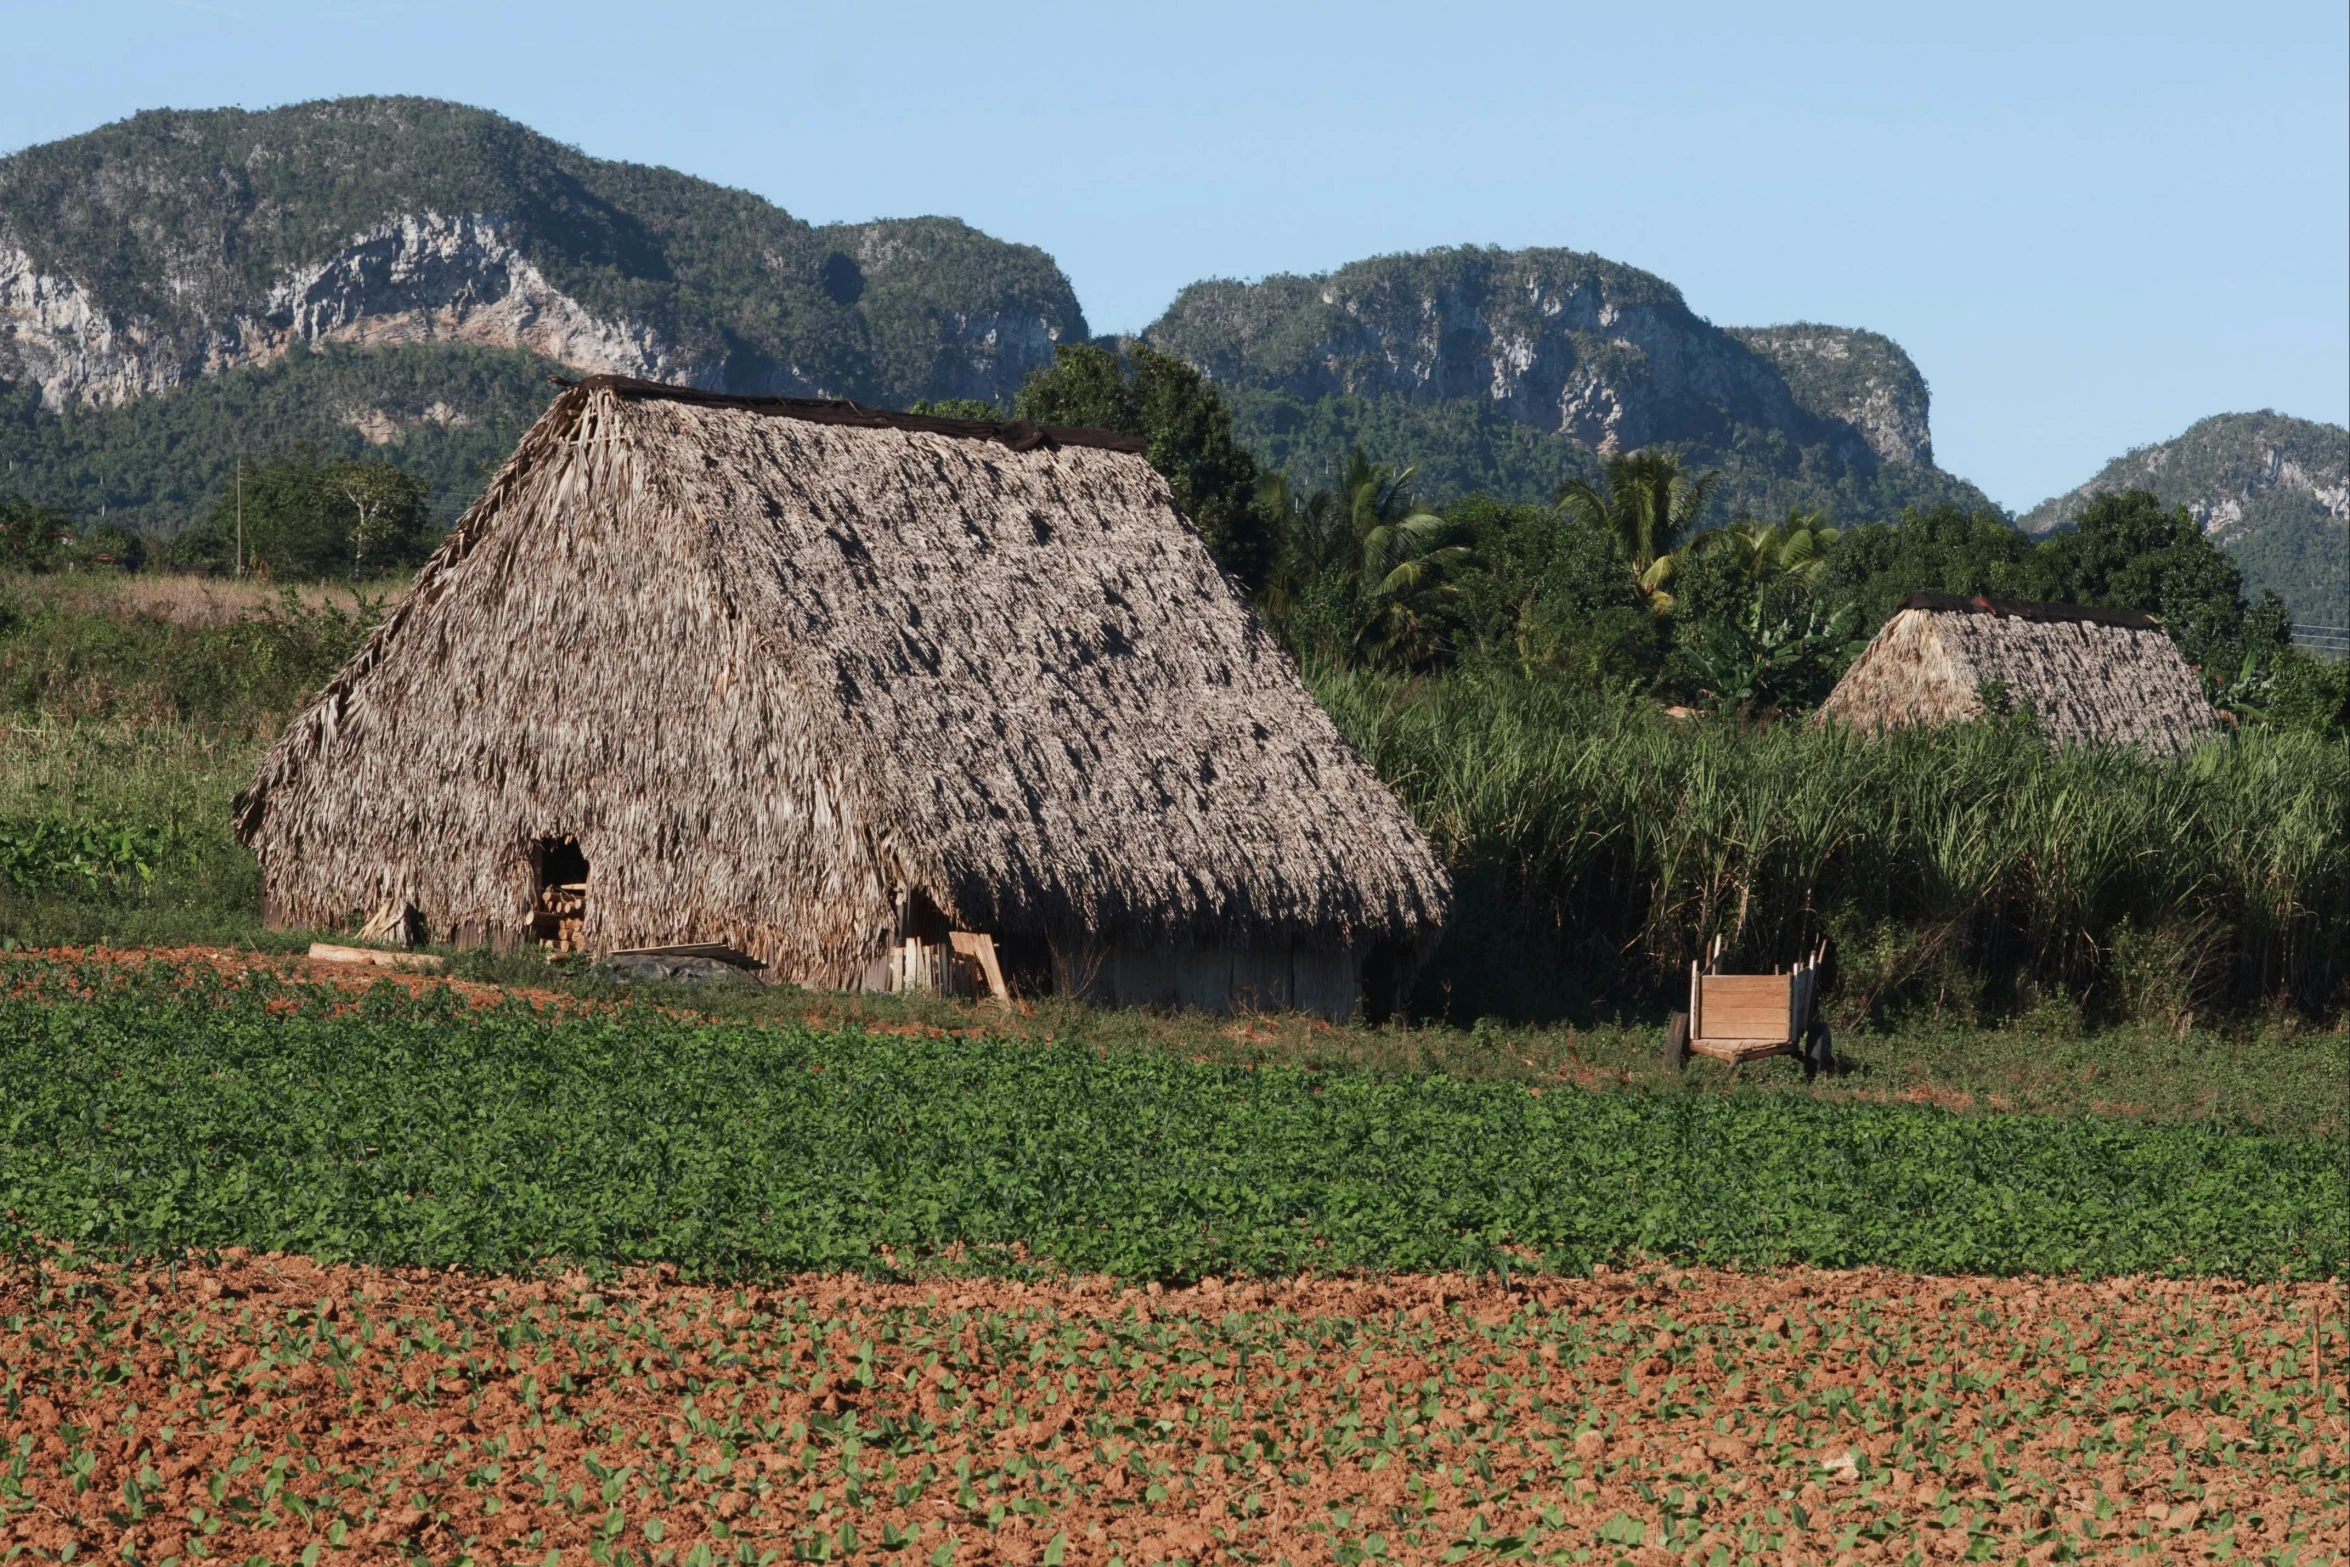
(1677, 1042)
(1819, 1054)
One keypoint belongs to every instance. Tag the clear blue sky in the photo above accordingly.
(2090, 225)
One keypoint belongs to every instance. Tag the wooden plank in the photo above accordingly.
(1737, 1050)
(974, 944)
(327, 952)
(716, 951)
(1745, 1006)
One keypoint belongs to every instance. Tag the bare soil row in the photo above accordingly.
(271, 1408)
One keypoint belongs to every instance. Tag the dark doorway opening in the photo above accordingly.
(921, 920)
(558, 909)
(1388, 972)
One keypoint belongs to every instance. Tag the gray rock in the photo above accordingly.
(640, 967)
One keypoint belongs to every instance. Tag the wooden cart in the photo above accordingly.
(1745, 1017)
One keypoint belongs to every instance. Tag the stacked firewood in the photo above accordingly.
(560, 915)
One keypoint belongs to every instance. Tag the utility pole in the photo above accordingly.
(240, 514)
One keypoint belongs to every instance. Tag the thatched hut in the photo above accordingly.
(2093, 676)
(817, 682)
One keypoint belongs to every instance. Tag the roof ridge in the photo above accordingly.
(2129, 619)
(1017, 434)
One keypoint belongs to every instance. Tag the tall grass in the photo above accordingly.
(1599, 845)
(126, 649)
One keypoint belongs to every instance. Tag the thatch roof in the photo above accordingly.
(2093, 676)
(780, 665)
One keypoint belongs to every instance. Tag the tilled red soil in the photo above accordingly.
(270, 1408)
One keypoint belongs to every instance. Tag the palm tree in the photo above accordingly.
(1395, 559)
(1308, 540)
(1786, 554)
(1649, 501)
(1406, 568)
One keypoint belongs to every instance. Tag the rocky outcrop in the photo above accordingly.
(2230, 471)
(1603, 354)
(386, 427)
(1844, 375)
(429, 278)
(418, 278)
(56, 337)
(2274, 490)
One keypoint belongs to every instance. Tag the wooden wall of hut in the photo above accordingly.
(1291, 976)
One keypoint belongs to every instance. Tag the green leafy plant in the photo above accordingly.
(1779, 654)
(195, 1112)
(43, 853)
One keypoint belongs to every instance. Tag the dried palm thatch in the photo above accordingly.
(2093, 676)
(806, 679)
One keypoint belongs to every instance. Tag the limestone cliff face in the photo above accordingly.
(413, 279)
(1844, 375)
(429, 277)
(175, 245)
(1603, 354)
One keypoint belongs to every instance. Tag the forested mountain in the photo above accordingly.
(1510, 371)
(185, 288)
(2274, 490)
(164, 251)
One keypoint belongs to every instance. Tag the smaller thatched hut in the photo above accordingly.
(2093, 676)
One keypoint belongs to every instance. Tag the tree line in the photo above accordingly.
(296, 517)
(1626, 585)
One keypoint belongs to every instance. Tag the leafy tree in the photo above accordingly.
(382, 506)
(2297, 691)
(1188, 436)
(32, 537)
(1360, 573)
(307, 518)
(2128, 552)
(955, 408)
(1788, 554)
(1310, 545)
(1648, 502)
(1875, 565)
(1549, 596)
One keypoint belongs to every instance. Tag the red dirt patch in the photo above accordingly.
(268, 1404)
(297, 968)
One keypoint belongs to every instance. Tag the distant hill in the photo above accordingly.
(162, 252)
(1509, 371)
(403, 274)
(2274, 490)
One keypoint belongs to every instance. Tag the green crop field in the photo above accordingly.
(154, 1113)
